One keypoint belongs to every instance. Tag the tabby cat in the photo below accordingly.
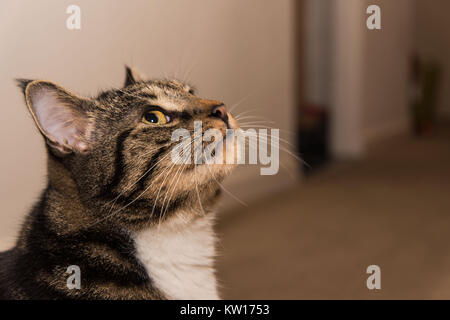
(136, 224)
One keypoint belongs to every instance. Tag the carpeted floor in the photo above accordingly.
(392, 209)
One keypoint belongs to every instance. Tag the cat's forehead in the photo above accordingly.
(169, 94)
(167, 87)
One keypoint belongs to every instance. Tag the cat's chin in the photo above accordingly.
(203, 174)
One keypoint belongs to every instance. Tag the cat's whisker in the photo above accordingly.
(160, 216)
(196, 180)
(162, 211)
(225, 189)
(177, 69)
(159, 191)
(254, 118)
(237, 104)
(143, 192)
(291, 175)
(179, 174)
(182, 58)
(246, 112)
(284, 132)
(287, 151)
(131, 202)
(268, 140)
(168, 189)
(249, 115)
(196, 188)
(254, 123)
(259, 126)
(189, 71)
(142, 176)
(269, 136)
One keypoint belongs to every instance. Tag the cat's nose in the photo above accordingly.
(220, 111)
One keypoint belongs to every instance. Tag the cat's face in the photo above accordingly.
(119, 147)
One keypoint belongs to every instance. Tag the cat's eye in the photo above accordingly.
(155, 117)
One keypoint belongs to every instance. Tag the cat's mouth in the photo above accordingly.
(232, 123)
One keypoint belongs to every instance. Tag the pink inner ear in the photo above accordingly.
(64, 124)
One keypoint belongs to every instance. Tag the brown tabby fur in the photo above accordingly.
(97, 196)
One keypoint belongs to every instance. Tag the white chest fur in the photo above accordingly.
(178, 256)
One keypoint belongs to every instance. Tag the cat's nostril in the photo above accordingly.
(220, 112)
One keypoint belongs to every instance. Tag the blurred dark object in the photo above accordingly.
(425, 79)
(313, 140)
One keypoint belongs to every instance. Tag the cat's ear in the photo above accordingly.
(60, 115)
(131, 76)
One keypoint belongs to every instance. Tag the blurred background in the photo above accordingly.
(367, 111)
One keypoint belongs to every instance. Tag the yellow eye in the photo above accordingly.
(155, 117)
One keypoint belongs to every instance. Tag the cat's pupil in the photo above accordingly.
(151, 117)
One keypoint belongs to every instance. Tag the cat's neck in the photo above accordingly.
(177, 252)
(178, 255)
(59, 178)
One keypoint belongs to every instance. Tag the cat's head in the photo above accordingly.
(118, 146)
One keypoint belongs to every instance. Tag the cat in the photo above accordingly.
(137, 225)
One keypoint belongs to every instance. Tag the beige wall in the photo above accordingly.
(370, 74)
(387, 54)
(317, 59)
(347, 79)
(229, 49)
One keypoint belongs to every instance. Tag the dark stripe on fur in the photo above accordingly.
(147, 95)
(148, 173)
(47, 251)
(108, 190)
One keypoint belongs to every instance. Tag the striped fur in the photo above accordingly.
(109, 188)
